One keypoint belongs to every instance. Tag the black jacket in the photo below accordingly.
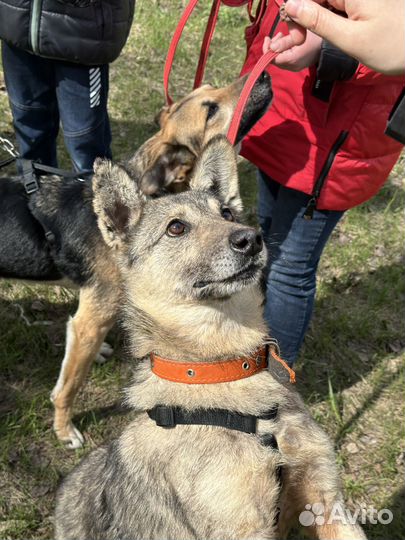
(89, 32)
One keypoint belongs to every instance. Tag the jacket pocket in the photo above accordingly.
(337, 145)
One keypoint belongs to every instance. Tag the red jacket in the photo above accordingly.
(303, 139)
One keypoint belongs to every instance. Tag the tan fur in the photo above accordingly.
(95, 316)
(197, 481)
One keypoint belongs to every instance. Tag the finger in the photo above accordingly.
(323, 22)
(282, 44)
(266, 45)
(286, 60)
(297, 32)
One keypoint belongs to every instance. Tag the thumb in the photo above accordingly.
(321, 21)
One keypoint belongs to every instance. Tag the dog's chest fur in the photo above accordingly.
(220, 483)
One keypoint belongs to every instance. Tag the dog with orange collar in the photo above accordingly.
(221, 446)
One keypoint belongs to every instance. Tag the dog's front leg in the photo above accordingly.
(85, 334)
(311, 488)
(310, 498)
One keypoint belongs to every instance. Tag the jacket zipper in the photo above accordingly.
(34, 25)
(309, 211)
(274, 26)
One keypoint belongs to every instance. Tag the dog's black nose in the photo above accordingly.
(264, 77)
(246, 241)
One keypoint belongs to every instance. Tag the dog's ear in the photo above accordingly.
(162, 116)
(170, 171)
(116, 201)
(216, 171)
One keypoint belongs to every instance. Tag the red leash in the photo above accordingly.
(261, 65)
(205, 46)
(173, 46)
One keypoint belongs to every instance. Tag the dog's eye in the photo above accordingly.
(227, 214)
(176, 228)
(212, 110)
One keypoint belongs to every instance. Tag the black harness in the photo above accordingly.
(170, 417)
(31, 171)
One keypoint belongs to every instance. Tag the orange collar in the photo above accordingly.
(215, 372)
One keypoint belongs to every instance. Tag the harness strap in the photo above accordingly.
(170, 417)
(58, 172)
(30, 172)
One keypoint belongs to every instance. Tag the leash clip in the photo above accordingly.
(8, 146)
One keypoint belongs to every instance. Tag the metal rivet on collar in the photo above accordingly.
(246, 365)
(190, 372)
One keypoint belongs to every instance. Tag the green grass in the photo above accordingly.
(351, 371)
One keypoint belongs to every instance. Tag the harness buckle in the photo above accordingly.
(50, 237)
(31, 185)
(164, 416)
(29, 175)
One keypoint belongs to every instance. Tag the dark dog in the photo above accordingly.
(78, 252)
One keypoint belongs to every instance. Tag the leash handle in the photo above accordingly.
(173, 46)
(258, 69)
(205, 46)
(208, 34)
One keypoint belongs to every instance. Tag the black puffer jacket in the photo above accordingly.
(88, 32)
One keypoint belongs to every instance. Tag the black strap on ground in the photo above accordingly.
(170, 417)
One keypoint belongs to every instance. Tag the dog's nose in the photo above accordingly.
(246, 241)
(264, 77)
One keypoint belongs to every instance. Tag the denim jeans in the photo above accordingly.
(294, 246)
(44, 92)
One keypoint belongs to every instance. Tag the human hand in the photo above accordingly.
(298, 57)
(373, 32)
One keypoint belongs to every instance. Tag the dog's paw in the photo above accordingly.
(71, 437)
(104, 353)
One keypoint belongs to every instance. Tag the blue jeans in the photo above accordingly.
(43, 92)
(294, 246)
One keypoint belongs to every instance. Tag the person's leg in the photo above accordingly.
(295, 246)
(30, 87)
(82, 94)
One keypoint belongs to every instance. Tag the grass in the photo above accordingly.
(351, 371)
